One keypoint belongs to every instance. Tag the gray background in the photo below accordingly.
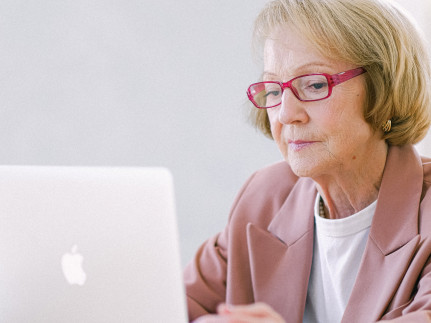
(139, 83)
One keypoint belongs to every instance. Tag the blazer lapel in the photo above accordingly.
(281, 256)
(393, 237)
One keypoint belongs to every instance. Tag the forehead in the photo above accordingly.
(287, 53)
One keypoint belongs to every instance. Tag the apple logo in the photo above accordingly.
(71, 263)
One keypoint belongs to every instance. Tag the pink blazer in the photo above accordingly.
(265, 252)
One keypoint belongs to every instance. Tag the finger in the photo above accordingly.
(223, 309)
(257, 310)
(213, 318)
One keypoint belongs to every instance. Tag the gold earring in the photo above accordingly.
(387, 126)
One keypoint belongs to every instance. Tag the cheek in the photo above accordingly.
(277, 130)
(342, 118)
(275, 124)
(347, 134)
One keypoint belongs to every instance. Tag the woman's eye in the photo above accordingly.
(272, 93)
(317, 86)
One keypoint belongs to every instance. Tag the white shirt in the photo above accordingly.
(338, 248)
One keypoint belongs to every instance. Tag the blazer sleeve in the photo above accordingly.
(418, 308)
(205, 276)
(417, 317)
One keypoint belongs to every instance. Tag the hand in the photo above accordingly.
(253, 313)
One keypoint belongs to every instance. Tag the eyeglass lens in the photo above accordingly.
(306, 88)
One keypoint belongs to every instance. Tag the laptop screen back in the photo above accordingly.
(89, 244)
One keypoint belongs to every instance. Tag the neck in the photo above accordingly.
(351, 190)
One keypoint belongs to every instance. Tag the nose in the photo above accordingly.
(291, 109)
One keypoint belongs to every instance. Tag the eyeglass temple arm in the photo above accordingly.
(345, 76)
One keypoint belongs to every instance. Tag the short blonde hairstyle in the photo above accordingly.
(375, 34)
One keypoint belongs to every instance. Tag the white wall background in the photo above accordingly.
(138, 83)
(420, 10)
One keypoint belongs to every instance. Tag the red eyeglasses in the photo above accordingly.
(306, 88)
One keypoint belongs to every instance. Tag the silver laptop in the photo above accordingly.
(89, 244)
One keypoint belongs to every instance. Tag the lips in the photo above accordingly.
(297, 145)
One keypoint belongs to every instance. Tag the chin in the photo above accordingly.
(302, 172)
(303, 168)
(299, 170)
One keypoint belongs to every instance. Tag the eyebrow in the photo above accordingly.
(300, 67)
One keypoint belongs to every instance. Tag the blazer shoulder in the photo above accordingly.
(277, 175)
(263, 194)
(426, 167)
(275, 180)
(425, 204)
(426, 164)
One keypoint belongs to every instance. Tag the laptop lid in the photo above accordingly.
(89, 244)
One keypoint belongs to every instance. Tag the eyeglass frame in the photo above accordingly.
(333, 80)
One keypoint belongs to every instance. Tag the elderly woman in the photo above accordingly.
(341, 230)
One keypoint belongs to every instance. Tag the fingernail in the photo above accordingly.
(224, 308)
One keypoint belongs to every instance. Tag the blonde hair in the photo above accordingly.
(375, 34)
